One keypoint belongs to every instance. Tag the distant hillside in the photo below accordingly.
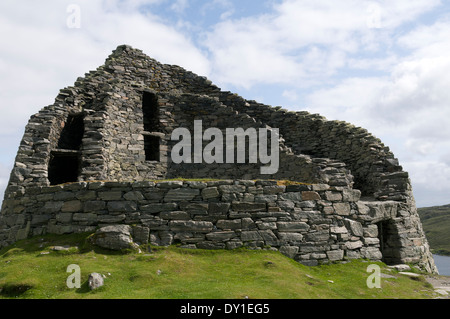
(436, 224)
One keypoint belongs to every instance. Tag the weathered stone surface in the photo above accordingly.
(289, 251)
(190, 225)
(353, 244)
(71, 206)
(250, 235)
(115, 237)
(121, 206)
(221, 235)
(112, 118)
(210, 192)
(181, 194)
(229, 224)
(292, 226)
(179, 215)
(248, 207)
(334, 255)
(310, 195)
(342, 209)
(355, 227)
(95, 281)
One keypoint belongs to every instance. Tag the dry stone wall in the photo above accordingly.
(312, 224)
(101, 129)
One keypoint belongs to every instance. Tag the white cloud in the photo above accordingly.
(304, 46)
(40, 54)
(180, 5)
(304, 43)
(430, 179)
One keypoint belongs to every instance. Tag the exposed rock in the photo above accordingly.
(115, 237)
(95, 281)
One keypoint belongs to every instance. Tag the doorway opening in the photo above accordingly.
(390, 244)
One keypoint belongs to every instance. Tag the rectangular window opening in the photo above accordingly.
(63, 168)
(151, 145)
(150, 110)
(72, 133)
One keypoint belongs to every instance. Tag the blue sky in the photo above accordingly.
(383, 65)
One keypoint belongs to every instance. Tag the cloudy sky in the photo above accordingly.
(383, 65)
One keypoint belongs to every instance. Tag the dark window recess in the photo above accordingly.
(151, 112)
(72, 133)
(151, 146)
(63, 168)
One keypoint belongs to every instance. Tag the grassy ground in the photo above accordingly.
(32, 269)
(436, 224)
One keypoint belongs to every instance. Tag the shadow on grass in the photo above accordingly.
(14, 290)
(78, 244)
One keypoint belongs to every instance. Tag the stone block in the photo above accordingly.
(121, 206)
(353, 244)
(333, 196)
(221, 235)
(355, 227)
(292, 196)
(342, 209)
(310, 195)
(180, 215)
(71, 206)
(318, 236)
(232, 189)
(190, 226)
(218, 208)
(85, 217)
(248, 207)
(266, 198)
(229, 224)
(210, 192)
(293, 226)
(290, 237)
(181, 194)
(92, 206)
(110, 195)
(250, 235)
(334, 255)
(289, 251)
(195, 208)
(351, 195)
(64, 218)
(133, 196)
(52, 207)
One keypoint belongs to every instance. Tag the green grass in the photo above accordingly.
(31, 269)
(436, 224)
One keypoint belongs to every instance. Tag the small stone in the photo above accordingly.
(95, 281)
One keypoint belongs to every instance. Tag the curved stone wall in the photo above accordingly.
(325, 220)
(310, 223)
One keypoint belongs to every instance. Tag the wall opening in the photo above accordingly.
(390, 244)
(63, 168)
(64, 163)
(151, 146)
(72, 133)
(150, 109)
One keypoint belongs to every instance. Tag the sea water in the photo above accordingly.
(442, 264)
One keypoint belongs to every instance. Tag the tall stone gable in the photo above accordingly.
(101, 155)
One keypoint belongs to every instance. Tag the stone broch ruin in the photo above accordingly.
(100, 156)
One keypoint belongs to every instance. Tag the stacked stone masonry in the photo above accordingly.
(115, 124)
(309, 223)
